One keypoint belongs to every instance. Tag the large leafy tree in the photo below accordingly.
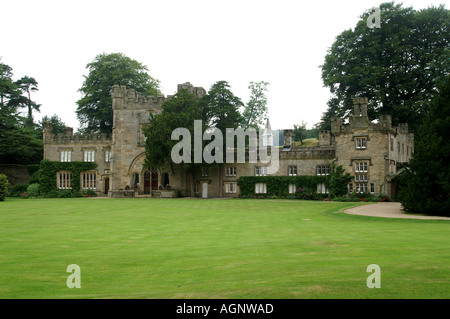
(222, 107)
(179, 111)
(425, 186)
(255, 111)
(94, 109)
(397, 66)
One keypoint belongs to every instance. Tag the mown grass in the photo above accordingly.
(188, 248)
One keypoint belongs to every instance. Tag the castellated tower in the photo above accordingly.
(131, 113)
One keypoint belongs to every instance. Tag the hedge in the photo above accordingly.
(279, 185)
(48, 170)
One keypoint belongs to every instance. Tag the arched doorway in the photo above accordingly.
(155, 180)
(147, 182)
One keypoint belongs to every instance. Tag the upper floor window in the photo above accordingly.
(66, 156)
(89, 156)
(204, 171)
(323, 170)
(361, 167)
(107, 156)
(260, 171)
(231, 171)
(292, 170)
(361, 143)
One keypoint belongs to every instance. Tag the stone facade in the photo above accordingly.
(371, 152)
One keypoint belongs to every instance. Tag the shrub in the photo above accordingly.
(18, 189)
(33, 190)
(34, 178)
(3, 187)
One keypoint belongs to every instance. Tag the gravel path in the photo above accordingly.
(388, 210)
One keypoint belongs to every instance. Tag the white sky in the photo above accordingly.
(282, 42)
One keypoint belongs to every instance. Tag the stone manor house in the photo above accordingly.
(371, 152)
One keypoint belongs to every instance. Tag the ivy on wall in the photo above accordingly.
(279, 185)
(48, 170)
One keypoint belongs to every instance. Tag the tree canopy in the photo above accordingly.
(20, 138)
(397, 66)
(179, 111)
(94, 109)
(255, 111)
(425, 185)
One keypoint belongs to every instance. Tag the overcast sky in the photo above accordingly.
(199, 41)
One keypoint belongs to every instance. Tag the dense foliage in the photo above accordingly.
(397, 66)
(48, 170)
(425, 185)
(95, 107)
(3, 187)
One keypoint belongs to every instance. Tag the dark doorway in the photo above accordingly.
(154, 180)
(147, 182)
(165, 179)
(106, 186)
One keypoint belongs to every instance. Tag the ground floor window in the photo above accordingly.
(322, 189)
(230, 188)
(350, 187)
(361, 188)
(260, 188)
(64, 180)
(89, 180)
(292, 188)
(372, 188)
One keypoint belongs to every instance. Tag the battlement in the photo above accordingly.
(324, 138)
(69, 138)
(123, 98)
(199, 92)
(306, 153)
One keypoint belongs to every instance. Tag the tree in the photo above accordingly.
(338, 181)
(8, 89)
(222, 108)
(20, 141)
(27, 85)
(179, 111)
(94, 109)
(426, 183)
(255, 111)
(299, 132)
(397, 66)
(58, 126)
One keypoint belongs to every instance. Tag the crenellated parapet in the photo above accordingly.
(123, 98)
(69, 138)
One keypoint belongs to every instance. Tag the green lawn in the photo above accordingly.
(188, 248)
